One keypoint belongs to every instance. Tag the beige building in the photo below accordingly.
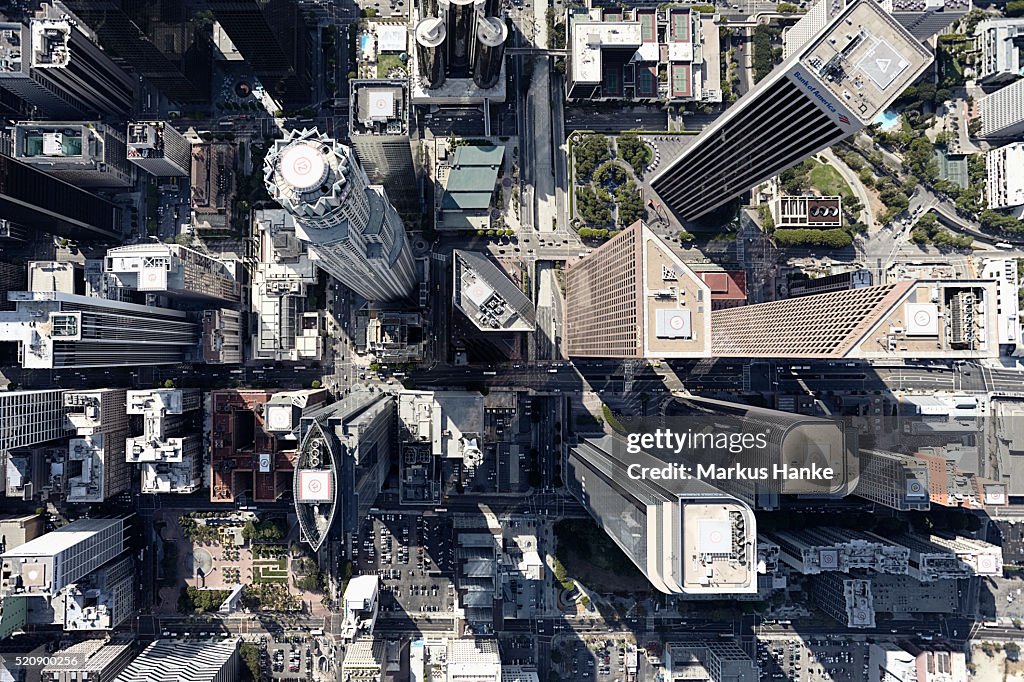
(16, 530)
(916, 319)
(634, 298)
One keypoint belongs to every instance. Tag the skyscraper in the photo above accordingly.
(53, 561)
(96, 468)
(634, 298)
(168, 452)
(170, 660)
(1002, 112)
(894, 480)
(827, 91)
(489, 51)
(54, 65)
(173, 53)
(350, 225)
(174, 270)
(276, 43)
(915, 319)
(31, 418)
(685, 536)
(48, 205)
(379, 130)
(55, 330)
(159, 149)
(83, 154)
(344, 455)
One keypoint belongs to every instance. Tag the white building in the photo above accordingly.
(1005, 169)
(287, 327)
(50, 563)
(170, 455)
(353, 231)
(174, 270)
(473, 660)
(1002, 112)
(168, 660)
(1002, 60)
(839, 550)
(361, 600)
(96, 466)
(889, 662)
(1004, 272)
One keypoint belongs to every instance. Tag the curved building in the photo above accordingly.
(461, 19)
(489, 52)
(353, 229)
(315, 486)
(430, 35)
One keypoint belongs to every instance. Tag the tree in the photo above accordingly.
(251, 656)
(685, 236)
(630, 202)
(594, 206)
(834, 239)
(589, 153)
(315, 384)
(610, 173)
(169, 383)
(634, 151)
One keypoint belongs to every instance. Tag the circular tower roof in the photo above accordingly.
(430, 32)
(491, 31)
(303, 166)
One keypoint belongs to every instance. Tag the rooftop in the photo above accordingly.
(488, 297)
(471, 180)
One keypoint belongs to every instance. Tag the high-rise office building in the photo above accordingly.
(274, 39)
(173, 270)
(893, 480)
(1004, 167)
(722, 661)
(53, 561)
(170, 660)
(774, 439)
(54, 66)
(344, 455)
(485, 295)
(169, 451)
(94, 660)
(379, 130)
(159, 149)
(489, 51)
(430, 53)
(634, 298)
(31, 417)
(922, 18)
(916, 319)
(1002, 112)
(83, 154)
(1002, 60)
(96, 469)
(829, 90)
(350, 226)
(13, 277)
(47, 205)
(684, 535)
(56, 330)
(841, 281)
(173, 53)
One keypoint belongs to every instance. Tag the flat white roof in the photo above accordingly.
(590, 37)
(61, 539)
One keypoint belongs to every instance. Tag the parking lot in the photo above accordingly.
(812, 660)
(412, 554)
(301, 658)
(595, 659)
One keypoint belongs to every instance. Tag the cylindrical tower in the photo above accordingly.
(430, 52)
(489, 52)
(461, 18)
(349, 225)
(428, 9)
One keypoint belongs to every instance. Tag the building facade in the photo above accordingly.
(174, 270)
(1002, 112)
(157, 148)
(167, 660)
(893, 480)
(379, 130)
(1002, 60)
(1005, 169)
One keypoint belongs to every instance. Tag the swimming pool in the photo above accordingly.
(365, 42)
(887, 119)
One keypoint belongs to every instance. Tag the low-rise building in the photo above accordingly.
(807, 211)
(714, 661)
(643, 53)
(906, 662)
(468, 181)
(169, 450)
(213, 185)
(835, 549)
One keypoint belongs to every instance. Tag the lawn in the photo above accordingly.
(829, 182)
(270, 571)
(386, 63)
